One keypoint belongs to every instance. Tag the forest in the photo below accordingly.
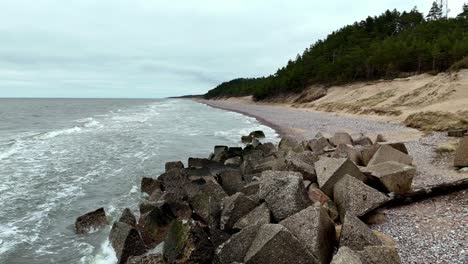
(391, 45)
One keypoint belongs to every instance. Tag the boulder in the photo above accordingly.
(234, 208)
(317, 196)
(341, 138)
(155, 225)
(174, 181)
(251, 188)
(186, 242)
(362, 141)
(379, 255)
(315, 230)
(457, 133)
(259, 215)
(346, 256)
(146, 206)
(396, 145)
(353, 196)
(320, 145)
(149, 185)
(367, 153)
(231, 181)
(347, 151)
(91, 221)
(219, 149)
(330, 171)
(275, 244)
(266, 148)
(174, 165)
(283, 192)
(257, 134)
(380, 138)
(126, 241)
(461, 156)
(176, 204)
(276, 164)
(288, 143)
(235, 248)
(304, 163)
(388, 153)
(357, 235)
(332, 210)
(246, 139)
(128, 217)
(396, 177)
(200, 163)
(233, 161)
(155, 195)
(146, 259)
(206, 204)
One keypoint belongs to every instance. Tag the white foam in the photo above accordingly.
(57, 133)
(106, 254)
(134, 189)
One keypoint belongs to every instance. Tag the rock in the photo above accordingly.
(155, 195)
(332, 210)
(356, 235)
(346, 256)
(149, 185)
(367, 153)
(396, 177)
(126, 241)
(251, 188)
(146, 206)
(380, 138)
(174, 165)
(259, 215)
(231, 181)
(186, 242)
(461, 156)
(346, 151)
(257, 134)
(146, 259)
(362, 141)
(233, 161)
(379, 255)
(206, 204)
(176, 204)
(330, 171)
(235, 248)
(396, 145)
(315, 230)
(173, 181)
(374, 218)
(234, 208)
(155, 225)
(317, 196)
(388, 153)
(353, 196)
(273, 164)
(246, 139)
(304, 163)
(266, 148)
(90, 221)
(275, 244)
(385, 239)
(200, 163)
(219, 149)
(457, 133)
(288, 143)
(283, 192)
(341, 138)
(319, 145)
(128, 217)
(217, 236)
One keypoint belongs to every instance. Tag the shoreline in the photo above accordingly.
(278, 129)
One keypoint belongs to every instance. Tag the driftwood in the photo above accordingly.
(427, 193)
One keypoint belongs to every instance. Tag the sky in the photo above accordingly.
(160, 48)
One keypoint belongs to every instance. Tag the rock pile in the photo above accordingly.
(298, 202)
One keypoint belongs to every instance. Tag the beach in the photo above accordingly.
(430, 231)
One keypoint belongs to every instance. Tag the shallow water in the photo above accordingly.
(61, 158)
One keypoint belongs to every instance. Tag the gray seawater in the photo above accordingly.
(61, 158)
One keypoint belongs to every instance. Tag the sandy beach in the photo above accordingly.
(431, 231)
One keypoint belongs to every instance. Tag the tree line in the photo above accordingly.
(387, 46)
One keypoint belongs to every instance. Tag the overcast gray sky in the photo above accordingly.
(159, 48)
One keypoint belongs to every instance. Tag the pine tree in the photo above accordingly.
(435, 13)
(464, 13)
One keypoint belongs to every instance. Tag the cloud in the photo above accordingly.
(156, 48)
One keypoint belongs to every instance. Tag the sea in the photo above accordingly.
(61, 158)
